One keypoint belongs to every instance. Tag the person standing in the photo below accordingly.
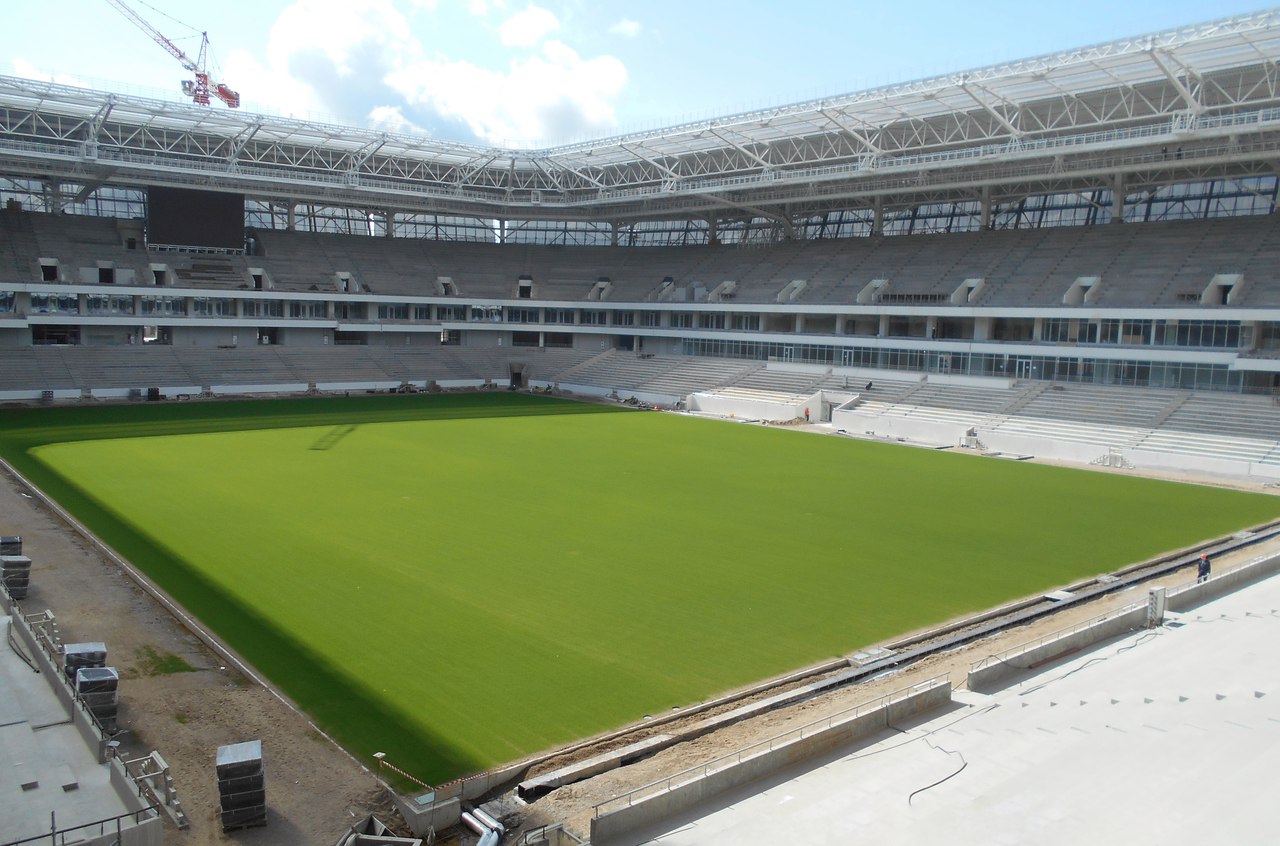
(1202, 571)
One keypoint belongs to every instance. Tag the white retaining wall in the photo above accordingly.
(756, 409)
(687, 795)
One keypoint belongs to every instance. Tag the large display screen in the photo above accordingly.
(195, 218)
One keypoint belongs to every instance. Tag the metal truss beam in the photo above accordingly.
(1037, 119)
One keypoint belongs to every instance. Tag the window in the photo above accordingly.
(1204, 333)
(308, 308)
(393, 311)
(6, 301)
(422, 312)
(264, 308)
(593, 318)
(451, 312)
(624, 318)
(165, 305)
(523, 315)
(213, 307)
(55, 304)
(682, 320)
(651, 318)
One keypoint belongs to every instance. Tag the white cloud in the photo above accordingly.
(527, 28)
(480, 8)
(546, 98)
(28, 70)
(392, 119)
(363, 62)
(626, 27)
(321, 57)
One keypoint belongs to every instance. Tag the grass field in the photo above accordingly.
(461, 580)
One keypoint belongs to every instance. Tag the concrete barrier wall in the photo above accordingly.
(430, 816)
(684, 797)
(382, 385)
(279, 388)
(623, 393)
(89, 732)
(927, 431)
(1180, 599)
(1192, 595)
(991, 676)
(753, 409)
(441, 808)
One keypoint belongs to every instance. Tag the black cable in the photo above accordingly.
(963, 765)
(17, 650)
(1150, 634)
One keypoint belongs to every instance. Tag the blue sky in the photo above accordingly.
(520, 73)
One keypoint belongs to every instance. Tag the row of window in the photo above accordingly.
(1217, 334)
(1183, 375)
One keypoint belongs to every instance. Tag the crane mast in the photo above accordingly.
(199, 89)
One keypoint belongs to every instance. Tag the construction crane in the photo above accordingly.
(197, 89)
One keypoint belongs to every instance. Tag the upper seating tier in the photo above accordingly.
(1169, 264)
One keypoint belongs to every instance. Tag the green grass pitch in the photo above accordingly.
(461, 580)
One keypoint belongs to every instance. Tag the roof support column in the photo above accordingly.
(1117, 198)
(877, 222)
(713, 231)
(986, 208)
(390, 223)
(613, 234)
(292, 223)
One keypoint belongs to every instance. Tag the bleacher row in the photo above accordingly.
(1149, 264)
(1207, 424)
(1211, 424)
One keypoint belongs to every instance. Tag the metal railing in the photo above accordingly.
(1026, 646)
(747, 752)
(116, 825)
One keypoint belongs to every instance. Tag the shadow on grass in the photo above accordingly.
(340, 706)
(25, 428)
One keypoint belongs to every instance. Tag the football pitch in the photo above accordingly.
(464, 579)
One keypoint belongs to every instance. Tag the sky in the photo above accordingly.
(537, 73)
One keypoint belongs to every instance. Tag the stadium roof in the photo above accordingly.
(1074, 120)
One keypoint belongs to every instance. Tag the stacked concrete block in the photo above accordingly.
(15, 571)
(242, 790)
(98, 688)
(82, 656)
(10, 545)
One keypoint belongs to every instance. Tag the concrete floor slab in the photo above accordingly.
(1168, 735)
(39, 746)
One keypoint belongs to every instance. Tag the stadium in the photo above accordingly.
(360, 417)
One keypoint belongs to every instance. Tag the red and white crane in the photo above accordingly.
(201, 87)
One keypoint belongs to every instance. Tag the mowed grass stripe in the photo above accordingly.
(494, 585)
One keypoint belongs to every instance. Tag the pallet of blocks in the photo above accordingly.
(15, 572)
(80, 656)
(98, 689)
(10, 545)
(242, 790)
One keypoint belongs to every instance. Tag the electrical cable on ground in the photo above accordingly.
(963, 765)
(17, 650)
